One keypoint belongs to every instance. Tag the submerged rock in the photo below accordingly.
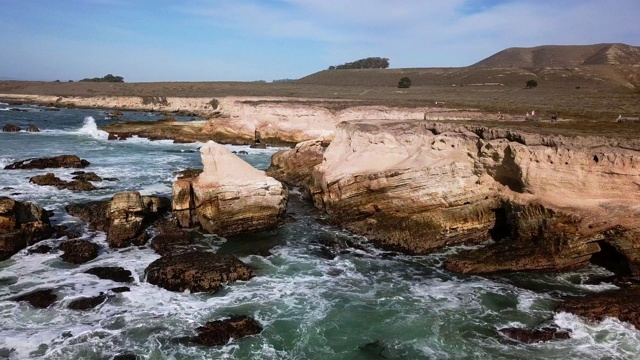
(11, 128)
(87, 303)
(40, 299)
(219, 332)
(21, 224)
(32, 128)
(114, 273)
(530, 336)
(196, 271)
(62, 161)
(229, 197)
(79, 251)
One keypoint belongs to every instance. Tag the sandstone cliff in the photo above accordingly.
(229, 196)
(550, 202)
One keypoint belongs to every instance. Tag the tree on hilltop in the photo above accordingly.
(531, 84)
(106, 78)
(404, 83)
(367, 63)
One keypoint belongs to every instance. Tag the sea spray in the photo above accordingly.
(91, 128)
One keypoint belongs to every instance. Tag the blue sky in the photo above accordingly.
(245, 40)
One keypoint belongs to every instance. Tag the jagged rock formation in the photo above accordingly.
(124, 217)
(219, 332)
(620, 304)
(50, 179)
(21, 224)
(550, 202)
(229, 196)
(294, 166)
(61, 161)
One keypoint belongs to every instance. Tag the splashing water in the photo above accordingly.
(91, 128)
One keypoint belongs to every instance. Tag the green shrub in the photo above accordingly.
(530, 84)
(404, 83)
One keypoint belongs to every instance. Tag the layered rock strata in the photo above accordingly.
(293, 167)
(550, 202)
(229, 196)
(21, 224)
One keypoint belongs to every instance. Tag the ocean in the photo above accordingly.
(363, 304)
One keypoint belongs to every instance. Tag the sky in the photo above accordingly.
(251, 40)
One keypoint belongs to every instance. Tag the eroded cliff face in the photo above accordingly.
(550, 202)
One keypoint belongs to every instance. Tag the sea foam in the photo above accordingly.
(91, 128)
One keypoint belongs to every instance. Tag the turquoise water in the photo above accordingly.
(364, 304)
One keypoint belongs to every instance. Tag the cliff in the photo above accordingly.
(548, 202)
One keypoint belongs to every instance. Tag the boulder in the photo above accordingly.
(10, 128)
(124, 218)
(529, 336)
(40, 299)
(114, 273)
(85, 176)
(32, 128)
(21, 224)
(62, 161)
(79, 251)
(196, 271)
(51, 180)
(87, 303)
(229, 197)
(219, 332)
(294, 167)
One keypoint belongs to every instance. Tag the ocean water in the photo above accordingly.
(364, 304)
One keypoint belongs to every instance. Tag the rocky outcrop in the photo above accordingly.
(124, 218)
(229, 196)
(87, 303)
(50, 179)
(21, 224)
(549, 202)
(41, 299)
(62, 161)
(114, 273)
(32, 128)
(620, 304)
(196, 271)
(219, 332)
(294, 167)
(10, 128)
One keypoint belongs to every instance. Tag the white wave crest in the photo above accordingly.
(91, 128)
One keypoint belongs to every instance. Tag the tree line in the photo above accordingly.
(106, 78)
(367, 63)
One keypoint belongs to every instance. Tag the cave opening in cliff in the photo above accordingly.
(501, 229)
(611, 259)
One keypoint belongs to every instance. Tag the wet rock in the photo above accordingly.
(51, 180)
(62, 161)
(621, 304)
(530, 336)
(32, 128)
(114, 273)
(41, 249)
(196, 271)
(126, 356)
(85, 176)
(172, 242)
(219, 332)
(94, 213)
(79, 251)
(21, 224)
(40, 299)
(10, 128)
(188, 173)
(87, 303)
(120, 289)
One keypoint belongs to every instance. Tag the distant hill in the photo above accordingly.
(601, 65)
(563, 56)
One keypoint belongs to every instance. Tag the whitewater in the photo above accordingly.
(364, 304)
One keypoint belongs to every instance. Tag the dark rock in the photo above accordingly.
(172, 242)
(111, 273)
(110, 179)
(94, 213)
(10, 128)
(621, 304)
(196, 271)
(86, 176)
(79, 251)
(120, 289)
(530, 336)
(41, 249)
(41, 299)
(51, 180)
(21, 224)
(125, 356)
(32, 128)
(219, 332)
(87, 303)
(62, 161)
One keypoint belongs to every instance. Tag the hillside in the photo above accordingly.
(600, 65)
